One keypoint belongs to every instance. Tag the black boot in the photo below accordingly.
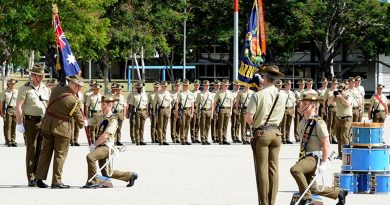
(41, 184)
(132, 179)
(342, 195)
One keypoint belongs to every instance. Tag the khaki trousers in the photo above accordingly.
(185, 119)
(118, 135)
(244, 126)
(235, 126)
(153, 127)
(286, 124)
(33, 141)
(76, 132)
(214, 128)
(266, 148)
(356, 115)
(140, 118)
(163, 117)
(379, 116)
(175, 127)
(9, 128)
(60, 146)
(342, 130)
(205, 119)
(223, 121)
(132, 122)
(297, 119)
(303, 171)
(100, 154)
(194, 126)
(93, 128)
(331, 121)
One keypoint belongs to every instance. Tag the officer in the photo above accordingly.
(243, 98)
(30, 107)
(358, 81)
(102, 149)
(162, 105)
(378, 109)
(55, 127)
(265, 112)
(314, 153)
(321, 93)
(214, 119)
(94, 110)
(153, 117)
(119, 110)
(184, 111)
(235, 118)
(289, 112)
(330, 110)
(357, 100)
(194, 126)
(298, 93)
(175, 121)
(7, 111)
(205, 109)
(343, 100)
(140, 105)
(224, 101)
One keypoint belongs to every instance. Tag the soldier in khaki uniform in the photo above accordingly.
(153, 117)
(119, 110)
(224, 101)
(321, 93)
(279, 84)
(314, 153)
(175, 121)
(356, 99)
(309, 87)
(56, 126)
(131, 114)
(329, 109)
(235, 118)
(185, 110)
(214, 119)
(162, 105)
(298, 116)
(266, 134)
(242, 101)
(7, 111)
(360, 88)
(289, 113)
(94, 110)
(140, 105)
(205, 109)
(104, 146)
(378, 109)
(194, 125)
(30, 107)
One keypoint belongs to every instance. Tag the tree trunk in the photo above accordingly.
(105, 70)
(143, 65)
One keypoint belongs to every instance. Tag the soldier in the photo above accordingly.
(356, 100)
(7, 111)
(175, 121)
(94, 110)
(279, 84)
(195, 119)
(140, 105)
(55, 127)
(30, 108)
(153, 117)
(214, 119)
(184, 111)
(131, 114)
(343, 123)
(378, 109)
(235, 118)
(315, 147)
(119, 110)
(162, 105)
(224, 101)
(321, 93)
(288, 113)
(298, 116)
(265, 112)
(358, 80)
(205, 109)
(309, 87)
(104, 146)
(241, 105)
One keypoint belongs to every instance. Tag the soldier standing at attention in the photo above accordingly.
(378, 109)
(119, 111)
(30, 107)
(175, 121)
(56, 126)
(224, 100)
(265, 112)
(321, 93)
(288, 113)
(279, 84)
(140, 105)
(7, 111)
(314, 153)
(153, 117)
(329, 105)
(356, 99)
(235, 119)
(241, 105)
(214, 119)
(298, 116)
(205, 109)
(162, 105)
(185, 109)
(195, 118)
(94, 110)
(130, 113)
(309, 87)
(358, 81)
(100, 150)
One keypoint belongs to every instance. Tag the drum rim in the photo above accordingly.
(367, 125)
(366, 145)
(366, 170)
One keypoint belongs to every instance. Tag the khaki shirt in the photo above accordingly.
(376, 105)
(151, 98)
(111, 128)
(33, 105)
(129, 98)
(94, 102)
(329, 94)
(87, 94)
(361, 90)
(356, 96)
(195, 93)
(223, 101)
(298, 94)
(205, 100)
(120, 105)
(235, 94)
(186, 99)
(319, 131)
(290, 101)
(341, 110)
(81, 98)
(321, 92)
(174, 97)
(166, 96)
(261, 103)
(244, 97)
(6, 95)
(139, 101)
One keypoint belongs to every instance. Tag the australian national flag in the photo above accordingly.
(68, 60)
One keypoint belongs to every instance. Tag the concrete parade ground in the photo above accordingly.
(174, 175)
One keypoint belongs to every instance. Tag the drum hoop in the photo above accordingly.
(367, 125)
(374, 146)
(371, 170)
(362, 147)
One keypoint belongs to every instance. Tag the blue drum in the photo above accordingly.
(346, 181)
(364, 182)
(375, 159)
(367, 134)
(380, 183)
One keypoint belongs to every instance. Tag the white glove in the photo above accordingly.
(86, 123)
(92, 147)
(20, 128)
(323, 167)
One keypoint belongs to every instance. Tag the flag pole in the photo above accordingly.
(235, 43)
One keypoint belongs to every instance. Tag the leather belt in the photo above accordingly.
(330, 106)
(356, 108)
(33, 118)
(162, 107)
(141, 109)
(266, 127)
(57, 117)
(289, 107)
(343, 117)
(225, 107)
(10, 107)
(205, 109)
(244, 108)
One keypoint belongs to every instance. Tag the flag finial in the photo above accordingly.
(55, 9)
